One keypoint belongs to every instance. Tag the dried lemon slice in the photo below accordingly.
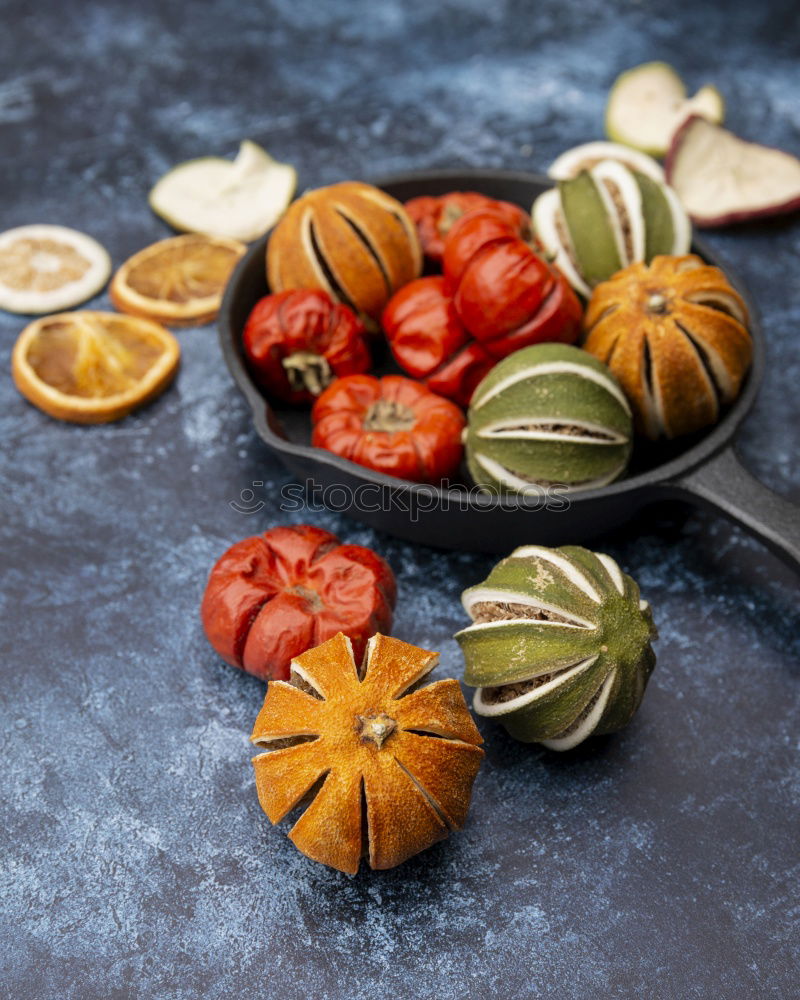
(93, 367)
(47, 268)
(179, 281)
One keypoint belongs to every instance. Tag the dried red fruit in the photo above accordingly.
(434, 217)
(497, 296)
(429, 341)
(273, 596)
(392, 424)
(298, 341)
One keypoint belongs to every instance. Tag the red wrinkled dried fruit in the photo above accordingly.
(509, 297)
(471, 233)
(434, 217)
(271, 597)
(430, 342)
(393, 425)
(496, 297)
(298, 341)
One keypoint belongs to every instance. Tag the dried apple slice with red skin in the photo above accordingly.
(699, 146)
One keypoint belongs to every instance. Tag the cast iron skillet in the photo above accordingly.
(703, 469)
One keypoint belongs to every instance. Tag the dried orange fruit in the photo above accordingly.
(47, 268)
(93, 367)
(388, 765)
(179, 281)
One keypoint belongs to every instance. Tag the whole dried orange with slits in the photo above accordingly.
(675, 333)
(179, 281)
(387, 766)
(352, 240)
(93, 367)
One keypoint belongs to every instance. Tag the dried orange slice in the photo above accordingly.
(179, 281)
(47, 268)
(93, 367)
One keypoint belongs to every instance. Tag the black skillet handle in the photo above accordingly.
(724, 485)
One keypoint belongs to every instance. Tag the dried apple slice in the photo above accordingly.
(648, 103)
(240, 200)
(722, 179)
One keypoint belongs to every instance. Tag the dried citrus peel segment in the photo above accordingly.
(93, 367)
(46, 268)
(371, 750)
(179, 281)
(240, 199)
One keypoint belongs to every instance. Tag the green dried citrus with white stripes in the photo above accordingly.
(559, 647)
(548, 414)
(606, 217)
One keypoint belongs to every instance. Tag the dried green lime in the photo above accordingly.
(559, 647)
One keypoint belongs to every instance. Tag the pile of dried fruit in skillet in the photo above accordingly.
(668, 334)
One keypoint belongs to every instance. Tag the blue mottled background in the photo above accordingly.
(135, 859)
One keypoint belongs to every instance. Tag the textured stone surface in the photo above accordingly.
(135, 860)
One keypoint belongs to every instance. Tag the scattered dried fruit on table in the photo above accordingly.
(546, 415)
(93, 367)
(393, 425)
(271, 597)
(722, 179)
(571, 162)
(559, 648)
(298, 342)
(179, 281)
(648, 103)
(605, 218)
(434, 216)
(383, 766)
(240, 199)
(44, 269)
(352, 240)
(675, 335)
